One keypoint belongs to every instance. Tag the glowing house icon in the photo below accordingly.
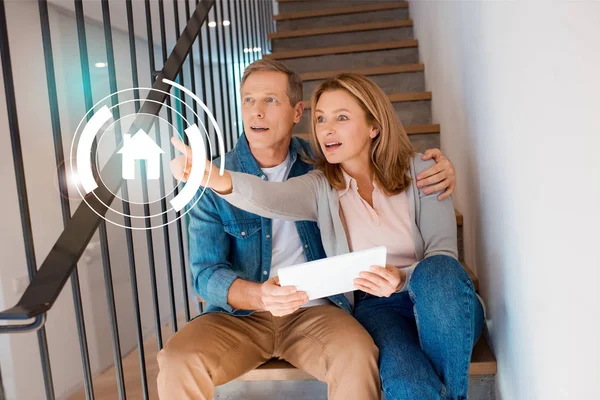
(140, 147)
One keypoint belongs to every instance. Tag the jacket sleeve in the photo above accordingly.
(436, 221)
(208, 249)
(295, 199)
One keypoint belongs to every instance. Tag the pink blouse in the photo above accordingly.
(387, 223)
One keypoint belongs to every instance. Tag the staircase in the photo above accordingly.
(319, 39)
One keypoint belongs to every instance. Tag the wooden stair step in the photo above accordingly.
(426, 128)
(459, 217)
(396, 44)
(483, 362)
(385, 70)
(471, 275)
(411, 130)
(342, 29)
(341, 10)
(400, 97)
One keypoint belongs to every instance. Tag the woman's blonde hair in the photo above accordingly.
(391, 150)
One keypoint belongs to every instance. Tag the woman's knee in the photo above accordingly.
(439, 271)
(412, 386)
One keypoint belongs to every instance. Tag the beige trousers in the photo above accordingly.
(324, 341)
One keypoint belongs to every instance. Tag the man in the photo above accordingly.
(235, 255)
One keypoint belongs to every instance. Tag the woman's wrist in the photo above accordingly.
(222, 184)
(402, 279)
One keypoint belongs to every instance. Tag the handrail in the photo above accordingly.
(43, 290)
(37, 324)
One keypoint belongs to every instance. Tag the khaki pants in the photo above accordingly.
(324, 341)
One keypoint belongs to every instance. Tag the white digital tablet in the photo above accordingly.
(333, 275)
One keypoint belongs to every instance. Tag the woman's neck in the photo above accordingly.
(360, 170)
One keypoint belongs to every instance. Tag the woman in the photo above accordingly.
(421, 308)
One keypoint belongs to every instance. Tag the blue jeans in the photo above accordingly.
(425, 335)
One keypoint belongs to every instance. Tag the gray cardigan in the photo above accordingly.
(310, 197)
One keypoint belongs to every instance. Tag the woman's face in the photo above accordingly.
(342, 128)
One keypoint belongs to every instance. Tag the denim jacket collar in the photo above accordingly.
(247, 161)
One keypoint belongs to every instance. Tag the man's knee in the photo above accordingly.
(177, 354)
(355, 343)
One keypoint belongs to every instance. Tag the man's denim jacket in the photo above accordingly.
(226, 243)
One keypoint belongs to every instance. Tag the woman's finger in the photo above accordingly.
(374, 278)
(386, 273)
(373, 288)
(366, 289)
(177, 168)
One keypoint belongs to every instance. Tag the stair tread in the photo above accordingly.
(483, 362)
(410, 129)
(341, 29)
(355, 48)
(400, 97)
(459, 217)
(472, 275)
(341, 10)
(388, 69)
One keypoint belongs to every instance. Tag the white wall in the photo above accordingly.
(515, 87)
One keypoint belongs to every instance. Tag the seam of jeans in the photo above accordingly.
(470, 312)
(230, 349)
(469, 307)
(325, 352)
(413, 298)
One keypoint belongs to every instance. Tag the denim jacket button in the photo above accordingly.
(268, 236)
(306, 246)
(243, 233)
(265, 272)
(339, 303)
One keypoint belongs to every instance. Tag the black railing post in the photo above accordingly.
(182, 260)
(211, 77)
(220, 73)
(225, 96)
(235, 131)
(110, 296)
(17, 152)
(203, 77)
(62, 184)
(149, 240)
(128, 233)
(255, 29)
(163, 201)
(249, 33)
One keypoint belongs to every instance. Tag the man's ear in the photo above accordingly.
(298, 110)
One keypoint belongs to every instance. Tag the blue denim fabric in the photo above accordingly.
(226, 243)
(425, 335)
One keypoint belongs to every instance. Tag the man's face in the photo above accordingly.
(266, 109)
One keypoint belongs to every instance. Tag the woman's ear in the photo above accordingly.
(374, 131)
